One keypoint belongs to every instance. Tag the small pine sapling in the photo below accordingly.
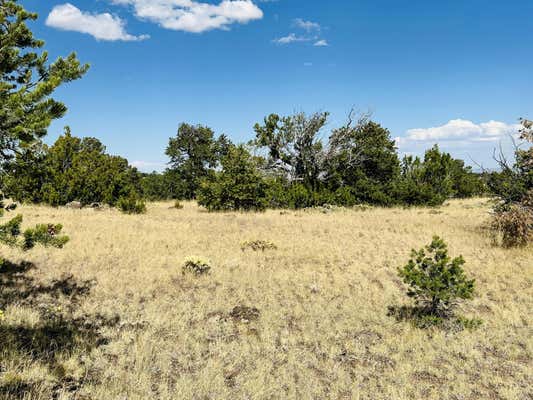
(436, 281)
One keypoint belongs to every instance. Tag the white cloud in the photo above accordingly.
(461, 129)
(464, 139)
(193, 16)
(321, 43)
(306, 25)
(311, 34)
(101, 26)
(291, 38)
(148, 166)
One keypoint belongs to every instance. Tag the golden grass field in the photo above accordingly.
(111, 316)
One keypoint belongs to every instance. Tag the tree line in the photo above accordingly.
(286, 165)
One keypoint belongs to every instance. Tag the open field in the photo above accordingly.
(111, 316)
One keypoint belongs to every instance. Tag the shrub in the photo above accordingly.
(256, 245)
(277, 193)
(196, 266)
(45, 234)
(131, 204)
(514, 225)
(299, 197)
(436, 281)
(239, 186)
(345, 196)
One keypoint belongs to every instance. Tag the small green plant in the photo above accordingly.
(257, 245)
(48, 235)
(131, 204)
(178, 205)
(11, 234)
(196, 266)
(436, 281)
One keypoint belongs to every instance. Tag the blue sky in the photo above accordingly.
(456, 72)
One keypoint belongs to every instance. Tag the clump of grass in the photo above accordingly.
(178, 205)
(196, 266)
(418, 317)
(245, 314)
(257, 245)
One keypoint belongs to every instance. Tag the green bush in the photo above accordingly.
(345, 197)
(131, 204)
(408, 192)
(239, 186)
(436, 281)
(299, 197)
(48, 235)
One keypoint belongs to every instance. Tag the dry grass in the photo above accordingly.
(133, 326)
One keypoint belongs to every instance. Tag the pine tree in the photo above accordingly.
(27, 80)
(436, 281)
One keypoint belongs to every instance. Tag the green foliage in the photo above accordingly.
(178, 205)
(345, 196)
(131, 204)
(73, 169)
(465, 183)
(293, 146)
(157, 186)
(238, 186)
(507, 185)
(196, 266)
(298, 196)
(27, 80)
(194, 153)
(362, 156)
(47, 235)
(419, 318)
(436, 281)
(434, 180)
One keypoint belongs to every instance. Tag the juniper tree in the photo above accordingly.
(194, 153)
(238, 186)
(363, 156)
